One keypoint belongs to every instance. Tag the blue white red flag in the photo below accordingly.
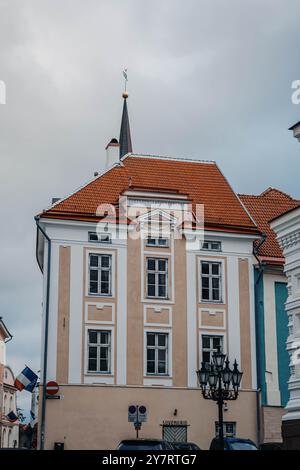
(26, 380)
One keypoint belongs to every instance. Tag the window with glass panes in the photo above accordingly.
(99, 351)
(211, 245)
(157, 353)
(210, 344)
(100, 274)
(229, 429)
(157, 241)
(157, 277)
(211, 281)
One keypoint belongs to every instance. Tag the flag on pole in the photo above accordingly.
(12, 417)
(26, 380)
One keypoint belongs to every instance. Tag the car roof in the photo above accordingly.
(180, 442)
(237, 439)
(142, 440)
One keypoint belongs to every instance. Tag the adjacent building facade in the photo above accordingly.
(287, 228)
(271, 290)
(137, 296)
(9, 431)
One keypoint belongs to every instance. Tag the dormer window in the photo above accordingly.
(99, 237)
(210, 245)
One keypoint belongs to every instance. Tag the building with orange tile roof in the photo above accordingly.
(148, 269)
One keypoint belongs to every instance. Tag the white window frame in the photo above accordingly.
(156, 273)
(210, 276)
(99, 237)
(210, 243)
(157, 243)
(99, 269)
(167, 333)
(211, 350)
(98, 345)
(225, 424)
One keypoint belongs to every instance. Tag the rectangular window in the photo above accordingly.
(157, 353)
(211, 282)
(99, 237)
(210, 344)
(211, 245)
(157, 277)
(99, 351)
(229, 429)
(100, 274)
(161, 242)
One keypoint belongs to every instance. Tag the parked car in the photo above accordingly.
(184, 446)
(144, 444)
(271, 446)
(233, 443)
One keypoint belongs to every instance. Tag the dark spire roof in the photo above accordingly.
(125, 137)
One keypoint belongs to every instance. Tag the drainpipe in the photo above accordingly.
(258, 392)
(43, 411)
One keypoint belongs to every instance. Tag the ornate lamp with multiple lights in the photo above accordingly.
(219, 383)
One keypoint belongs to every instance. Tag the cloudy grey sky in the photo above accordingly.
(207, 79)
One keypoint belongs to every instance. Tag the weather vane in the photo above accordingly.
(125, 77)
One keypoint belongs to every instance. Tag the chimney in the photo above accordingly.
(112, 153)
(296, 130)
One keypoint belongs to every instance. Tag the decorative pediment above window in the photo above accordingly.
(157, 216)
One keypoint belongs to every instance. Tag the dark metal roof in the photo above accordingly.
(295, 125)
(125, 137)
(4, 329)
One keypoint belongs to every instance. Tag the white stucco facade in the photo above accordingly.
(287, 228)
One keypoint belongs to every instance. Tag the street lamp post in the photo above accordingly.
(219, 383)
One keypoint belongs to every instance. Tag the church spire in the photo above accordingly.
(125, 137)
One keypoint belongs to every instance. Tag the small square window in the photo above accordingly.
(99, 237)
(211, 245)
(159, 241)
(93, 237)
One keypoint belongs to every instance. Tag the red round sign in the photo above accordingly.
(52, 388)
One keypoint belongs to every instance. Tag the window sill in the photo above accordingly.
(99, 295)
(157, 376)
(101, 374)
(157, 298)
(157, 246)
(218, 302)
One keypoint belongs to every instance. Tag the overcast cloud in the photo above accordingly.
(207, 79)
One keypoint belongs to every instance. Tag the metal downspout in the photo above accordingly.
(43, 410)
(258, 392)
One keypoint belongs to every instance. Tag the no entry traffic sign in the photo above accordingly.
(52, 388)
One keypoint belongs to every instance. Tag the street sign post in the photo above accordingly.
(137, 414)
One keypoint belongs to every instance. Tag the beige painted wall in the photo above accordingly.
(96, 417)
(135, 316)
(63, 315)
(272, 420)
(180, 316)
(245, 336)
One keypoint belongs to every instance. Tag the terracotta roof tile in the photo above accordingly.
(263, 208)
(202, 182)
